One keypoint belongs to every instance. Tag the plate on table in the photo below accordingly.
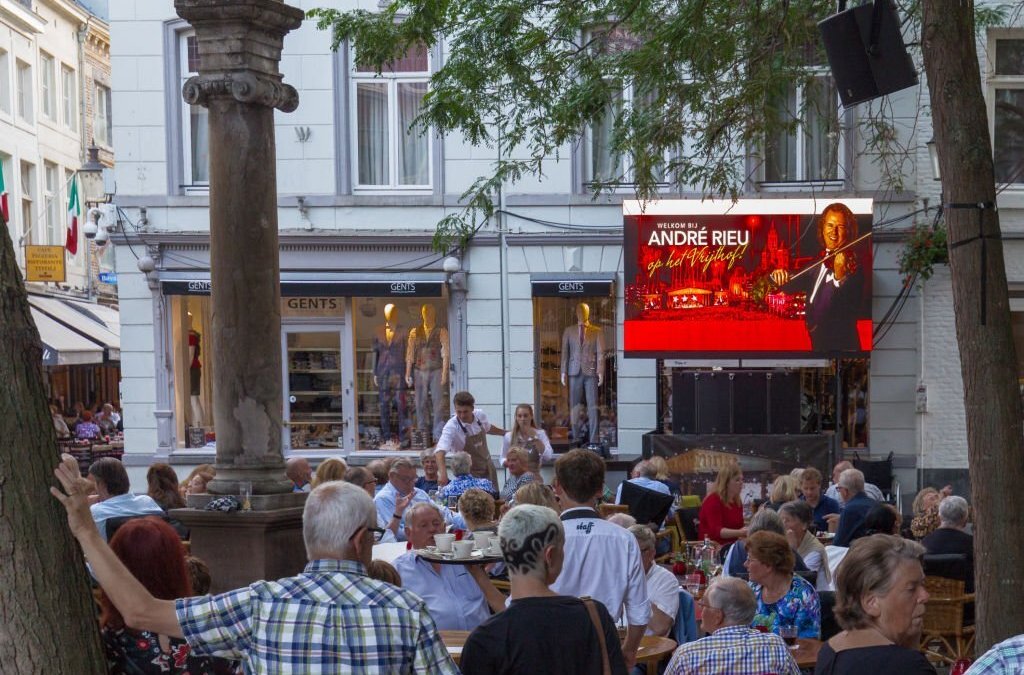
(477, 557)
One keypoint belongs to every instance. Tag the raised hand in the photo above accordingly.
(75, 496)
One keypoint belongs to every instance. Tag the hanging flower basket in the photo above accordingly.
(925, 248)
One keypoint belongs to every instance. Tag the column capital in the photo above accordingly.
(239, 44)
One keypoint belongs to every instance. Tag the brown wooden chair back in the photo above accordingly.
(943, 635)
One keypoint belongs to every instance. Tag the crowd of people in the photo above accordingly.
(573, 577)
(86, 423)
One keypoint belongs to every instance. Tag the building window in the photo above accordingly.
(24, 82)
(5, 82)
(195, 121)
(69, 97)
(51, 201)
(1006, 92)
(388, 153)
(47, 88)
(811, 151)
(102, 129)
(28, 190)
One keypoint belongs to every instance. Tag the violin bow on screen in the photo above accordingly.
(819, 262)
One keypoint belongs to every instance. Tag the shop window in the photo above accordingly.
(194, 370)
(403, 359)
(315, 407)
(576, 381)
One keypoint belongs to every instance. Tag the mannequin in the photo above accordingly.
(426, 369)
(195, 379)
(389, 346)
(583, 370)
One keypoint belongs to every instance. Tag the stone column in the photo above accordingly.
(240, 44)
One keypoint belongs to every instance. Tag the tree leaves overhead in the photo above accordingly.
(528, 77)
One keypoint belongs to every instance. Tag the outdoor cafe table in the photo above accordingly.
(806, 652)
(652, 651)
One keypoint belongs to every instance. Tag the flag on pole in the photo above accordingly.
(74, 211)
(4, 213)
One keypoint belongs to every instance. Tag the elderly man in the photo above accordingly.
(644, 474)
(870, 489)
(541, 631)
(299, 473)
(331, 618)
(950, 536)
(460, 463)
(397, 495)
(602, 560)
(114, 500)
(855, 509)
(662, 585)
(732, 647)
(810, 492)
(459, 597)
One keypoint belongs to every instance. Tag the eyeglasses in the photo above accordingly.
(378, 533)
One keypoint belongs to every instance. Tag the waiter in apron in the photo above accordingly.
(467, 431)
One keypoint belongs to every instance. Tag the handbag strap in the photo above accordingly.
(592, 610)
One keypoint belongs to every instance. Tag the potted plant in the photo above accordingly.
(926, 247)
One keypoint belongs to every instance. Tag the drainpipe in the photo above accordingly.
(83, 34)
(506, 379)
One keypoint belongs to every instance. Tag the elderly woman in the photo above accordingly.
(797, 517)
(926, 513)
(428, 481)
(86, 428)
(517, 463)
(721, 512)
(460, 463)
(783, 598)
(332, 468)
(880, 598)
(477, 509)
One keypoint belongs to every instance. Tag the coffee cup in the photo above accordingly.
(495, 548)
(482, 539)
(463, 549)
(444, 542)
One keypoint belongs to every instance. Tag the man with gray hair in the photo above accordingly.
(541, 631)
(400, 492)
(764, 519)
(950, 536)
(330, 618)
(644, 475)
(662, 585)
(732, 647)
(856, 505)
(460, 464)
(870, 489)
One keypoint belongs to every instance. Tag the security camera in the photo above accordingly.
(91, 228)
(102, 236)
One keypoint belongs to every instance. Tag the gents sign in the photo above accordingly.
(313, 307)
(328, 288)
(549, 288)
(754, 278)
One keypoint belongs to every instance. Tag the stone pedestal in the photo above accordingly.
(243, 547)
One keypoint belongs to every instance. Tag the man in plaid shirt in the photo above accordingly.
(332, 618)
(733, 647)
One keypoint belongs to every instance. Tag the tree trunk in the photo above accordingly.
(981, 307)
(46, 609)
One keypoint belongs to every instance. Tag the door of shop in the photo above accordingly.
(317, 388)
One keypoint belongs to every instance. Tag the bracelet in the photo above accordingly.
(396, 516)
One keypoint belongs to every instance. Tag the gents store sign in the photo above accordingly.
(755, 278)
(313, 307)
(569, 288)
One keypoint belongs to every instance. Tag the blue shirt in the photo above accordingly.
(426, 485)
(826, 505)
(643, 482)
(453, 597)
(385, 502)
(1005, 657)
(332, 618)
(736, 650)
(799, 607)
(460, 484)
(127, 504)
(851, 521)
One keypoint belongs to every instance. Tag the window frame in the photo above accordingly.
(47, 86)
(188, 182)
(51, 202)
(101, 118)
(995, 82)
(6, 100)
(392, 79)
(801, 181)
(69, 97)
(28, 199)
(24, 104)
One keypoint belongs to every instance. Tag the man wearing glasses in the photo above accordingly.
(732, 647)
(856, 505)
(398, 495)
(330, 618)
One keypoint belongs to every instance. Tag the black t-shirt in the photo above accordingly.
(880, 660)
(542, 635)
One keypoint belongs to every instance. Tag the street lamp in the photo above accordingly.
(91, 175)
(933, 155)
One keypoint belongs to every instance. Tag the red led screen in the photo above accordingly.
(755, 278)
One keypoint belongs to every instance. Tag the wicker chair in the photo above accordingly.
(605, 510)
(944, 636)
(672, 535)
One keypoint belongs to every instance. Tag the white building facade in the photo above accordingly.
(358, 203)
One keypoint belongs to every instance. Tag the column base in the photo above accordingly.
(243, 547)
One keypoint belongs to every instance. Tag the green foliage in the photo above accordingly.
(925, 248)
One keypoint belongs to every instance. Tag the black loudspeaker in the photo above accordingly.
(785, 403)
(684, 403)
(750, 403)
(714, 403)
(866, 52)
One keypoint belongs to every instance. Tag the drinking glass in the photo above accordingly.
(788, 633)
(244, 495)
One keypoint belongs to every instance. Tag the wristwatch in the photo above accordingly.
(396, 516)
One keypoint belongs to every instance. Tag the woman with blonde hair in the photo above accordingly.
(477, 509)
(926, 513)
(332, 468)
(721, 513)
(539, 494)
(525, 434)
(783, 490)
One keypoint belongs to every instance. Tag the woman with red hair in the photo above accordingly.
(152, 552)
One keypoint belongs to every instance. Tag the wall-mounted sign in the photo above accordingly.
(569, 287)
(313, 307)
(350, 289)
(755, 278)
(45, 263)
(108, 278)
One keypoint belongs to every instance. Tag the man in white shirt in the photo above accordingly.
(111, 481)
(644, 474)
(466, 431)
(662, 586)
(870, 489)
(602, 560)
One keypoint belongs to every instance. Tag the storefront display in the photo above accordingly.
(315, 412)
(574, 338)
(191, 322)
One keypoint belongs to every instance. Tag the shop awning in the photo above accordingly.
(63, 346)
(85, 319)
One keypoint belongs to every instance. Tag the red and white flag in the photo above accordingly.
(4, 213)
(74, 211)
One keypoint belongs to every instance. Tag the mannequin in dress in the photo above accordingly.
(389, 346)
(583, 369)
(195, 372)
(426, 370)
